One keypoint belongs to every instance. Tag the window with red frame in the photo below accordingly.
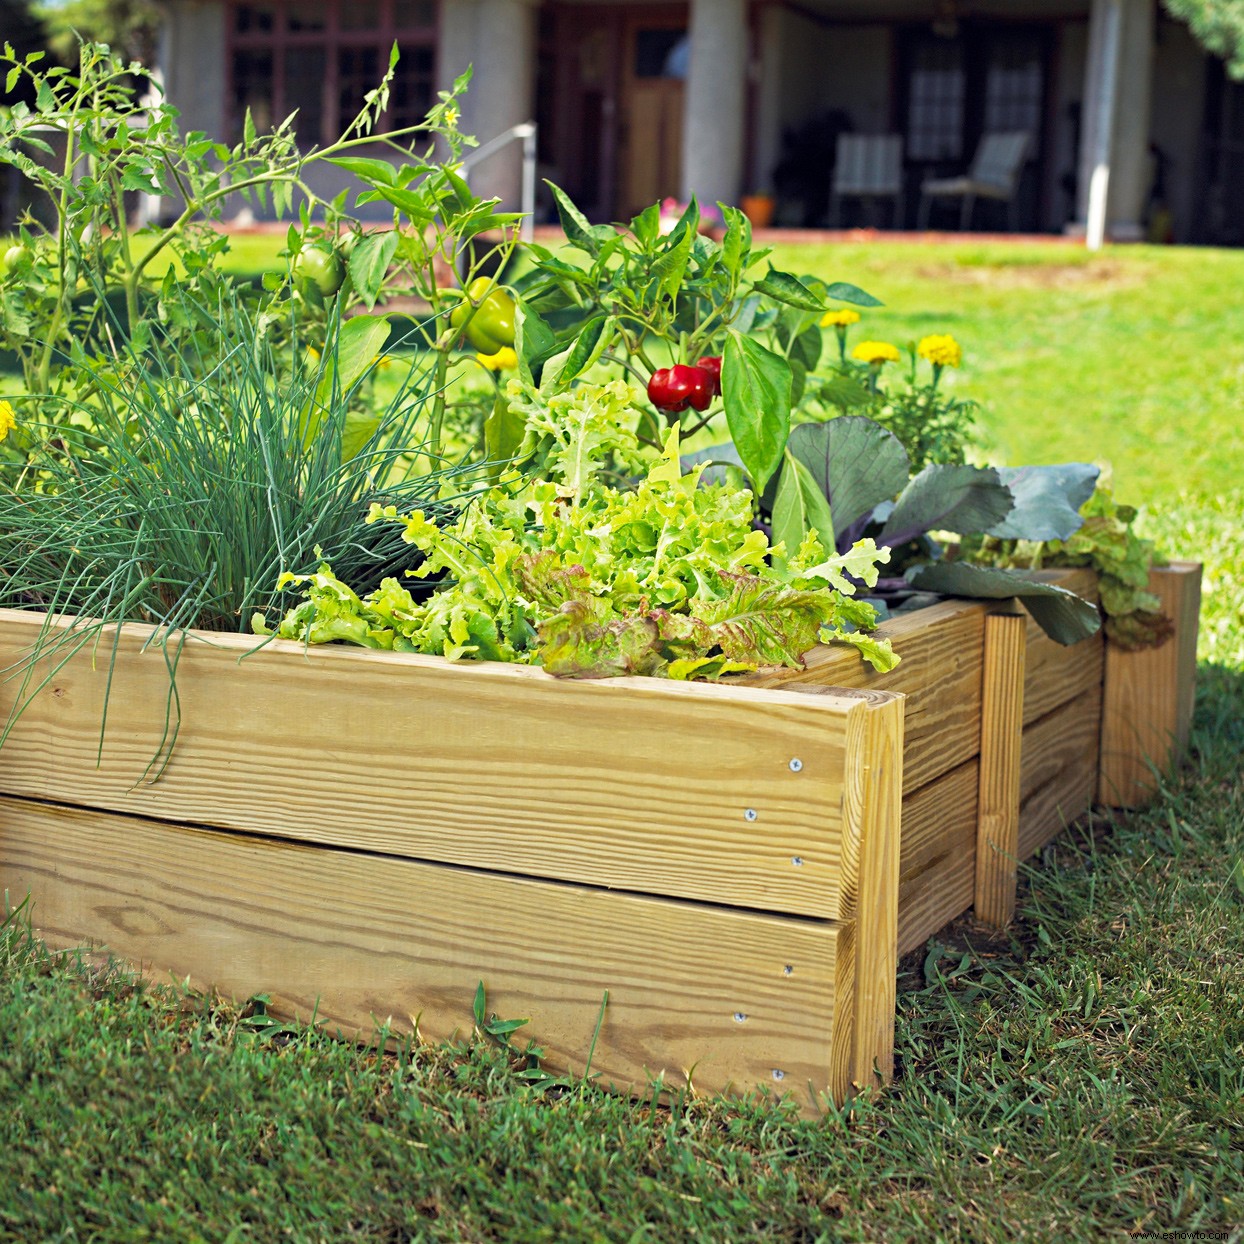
(320, 57)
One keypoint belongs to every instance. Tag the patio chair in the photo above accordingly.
(868, 166)
(994, 174)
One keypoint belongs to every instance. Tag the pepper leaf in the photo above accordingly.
(534, 341)
(586, 237)
(783, 287)
(800, 507)
(588, 347)
(671, 267)
(841, 291)
(756, 390)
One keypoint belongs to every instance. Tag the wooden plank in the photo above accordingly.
(1055, 673)
(872, 810)
(1150, 696)
(940, 674)
(356, 939)
(1058, 772)
(687, 790)
(1002, 729)
(937, 866)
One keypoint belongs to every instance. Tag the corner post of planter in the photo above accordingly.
(874, 804)
(1149, 696)
(1002, 729)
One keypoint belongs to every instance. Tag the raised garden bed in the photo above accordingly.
(364, 837)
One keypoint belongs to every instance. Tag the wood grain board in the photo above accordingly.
(1150, 695)
(1002, 732)
(1058, 772)
(937, 864)
(940, 674)
(358, 940)
(725, 793)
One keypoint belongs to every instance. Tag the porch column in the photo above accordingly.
(1114, 150)
(498, 38)
(712, 159)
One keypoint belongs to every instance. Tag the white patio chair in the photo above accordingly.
(868, 166)
(994, 174)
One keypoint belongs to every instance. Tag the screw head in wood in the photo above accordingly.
(750, 814)
(796, 764)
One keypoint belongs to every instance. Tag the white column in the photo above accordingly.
(1114, 146)
(713, 107)
(1131, 175)
(498, 37)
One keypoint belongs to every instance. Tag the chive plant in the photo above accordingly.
(180, 485)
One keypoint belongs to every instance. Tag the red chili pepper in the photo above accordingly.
(675, 388)
(712, 365)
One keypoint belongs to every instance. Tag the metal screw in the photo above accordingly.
(788, 970)
(796, 765)
(750, 814)
(797, 860)
(779, 1074)
(740, 1017)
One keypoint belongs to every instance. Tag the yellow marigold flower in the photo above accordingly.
(8, 420)
(504, 360)
(876, 353)
(942, 350)
(842, 318)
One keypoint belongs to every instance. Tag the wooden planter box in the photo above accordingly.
(365, 836)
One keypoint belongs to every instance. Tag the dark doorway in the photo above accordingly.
(983, 78)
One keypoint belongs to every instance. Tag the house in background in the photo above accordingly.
(639, 101)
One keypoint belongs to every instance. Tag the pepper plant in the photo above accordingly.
(688, 317)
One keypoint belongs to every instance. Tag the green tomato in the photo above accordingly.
(15, 255)
(320, 267)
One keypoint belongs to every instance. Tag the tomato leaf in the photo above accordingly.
(369, 263)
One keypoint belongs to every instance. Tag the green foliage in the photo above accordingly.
(1218, 24)
(932, 425)
(667, 578)
(130, 27)
(90, 284)
(649, 301)
(178, 495)
(861, 474)
(1106, 542)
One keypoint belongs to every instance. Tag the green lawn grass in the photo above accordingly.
(1080, 1077)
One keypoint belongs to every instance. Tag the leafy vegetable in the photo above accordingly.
(861, 472)
(1104, 540)
(670, 577)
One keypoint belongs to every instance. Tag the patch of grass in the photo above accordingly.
(1079, 1077)
(1128, 356)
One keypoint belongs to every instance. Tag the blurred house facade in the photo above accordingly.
(640, 101)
